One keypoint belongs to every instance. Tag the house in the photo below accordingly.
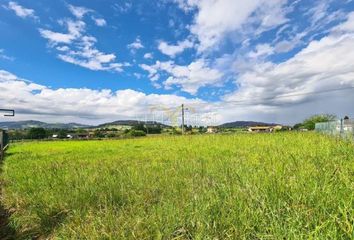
(266, 128)
(82, 136)
(212, 129)
(260, 129)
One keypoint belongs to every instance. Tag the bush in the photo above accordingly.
(111, 135)
(136, 133)
(62, 134)
(37, 133)
(99, 133)
(139, 127)
(154, 129)
(310, 122)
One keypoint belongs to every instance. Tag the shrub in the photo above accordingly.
(136, 133)
(37, 133)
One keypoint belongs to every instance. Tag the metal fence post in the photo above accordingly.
(1, 145)
(341, 127)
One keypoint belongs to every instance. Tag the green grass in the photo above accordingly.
(244, 186)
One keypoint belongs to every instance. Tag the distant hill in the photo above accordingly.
(119, 123)
(130, 123)
(244, 124)
(32, 124)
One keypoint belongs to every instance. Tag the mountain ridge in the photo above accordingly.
(243, 124)
(15, 125)
(33, 123)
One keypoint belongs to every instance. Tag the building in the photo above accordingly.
(265, 128)
(344, 128)
(212, 129)
(82, 136)
(260, 129)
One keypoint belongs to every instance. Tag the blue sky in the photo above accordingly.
(70, 58)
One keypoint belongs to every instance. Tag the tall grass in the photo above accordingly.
(262, 186)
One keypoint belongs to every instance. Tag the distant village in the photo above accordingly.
(29, 130)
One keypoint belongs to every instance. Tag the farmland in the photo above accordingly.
(240, 186)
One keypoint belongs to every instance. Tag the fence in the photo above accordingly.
(342, 128)
(4, 141)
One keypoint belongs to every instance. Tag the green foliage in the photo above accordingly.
(98, 133)
(311, 121)
(136, 133)
(150, 129)
(176, 131)
(139, 127)
(202, 129)
(17, 134)
(112, 135)
(154, 129)
(37, 133)
(236, 186)
(62, 133)
(297, 126)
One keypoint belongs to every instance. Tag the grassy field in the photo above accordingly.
(242, 186)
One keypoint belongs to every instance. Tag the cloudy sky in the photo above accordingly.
(226, 60)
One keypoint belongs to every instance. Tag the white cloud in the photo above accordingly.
(190, 78)
(347, 26)
(78, 104)
(137, 44)
(21, 11)
(100, 22)
(77, 47)
(148, 56)
(89, 57)
(122, 7)
(138, 75)
(151, 69)
(261, 51)
(78, 12)
(55, 37)
(75, 31)
(173, 50)
(324, 64)
(4, 56)
(215, 19)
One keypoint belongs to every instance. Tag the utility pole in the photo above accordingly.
(182, 119)
(183, 113)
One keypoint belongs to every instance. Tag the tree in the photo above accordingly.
(297, 126)
(154, 129)
(202, 129)
(136, 133)
(139, 127)
(310, 122)
(62, 133)
(98, 133)
(37, 133)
